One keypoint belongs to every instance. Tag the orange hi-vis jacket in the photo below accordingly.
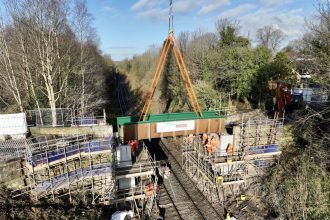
(230, 150)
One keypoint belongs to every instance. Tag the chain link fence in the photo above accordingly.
(46, 117)
(11, 149)
(61, 117)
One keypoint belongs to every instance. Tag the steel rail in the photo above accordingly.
(202, 204)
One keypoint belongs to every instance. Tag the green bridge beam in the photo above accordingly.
(167, 117)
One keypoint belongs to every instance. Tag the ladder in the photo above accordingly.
(272, 132)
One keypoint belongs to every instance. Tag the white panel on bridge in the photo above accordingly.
(171, 126)
(13, 124)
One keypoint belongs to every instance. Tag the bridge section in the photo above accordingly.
(169, 125)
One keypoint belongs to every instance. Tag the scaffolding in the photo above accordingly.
(213, 174)
(12, 149)
(15, 149)
(64, 167)
(220, 175)
(195, 163)
(257, 132)
(80, 169)
(142, 195)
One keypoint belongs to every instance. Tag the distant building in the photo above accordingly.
(305, 68)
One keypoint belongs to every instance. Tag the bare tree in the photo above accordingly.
(198, 52)
(224, 24)
(49, 18)
(49, 57)
(22, 51)
(42, 25)
(309, 171)
(296, 45)
(83, 29)
(184, 38)
(9, 79)
(270, 37)
(318, 40)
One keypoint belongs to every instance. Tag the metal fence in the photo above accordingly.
(17, 148)
(69, 150)
(61, 117)
(47, 117)
(225, 111)
(13, 148)
(88, 120)
(311, 95)
(59, 167)
(271, 148)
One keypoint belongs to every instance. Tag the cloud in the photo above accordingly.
(214, 5)
(186, 5)
(154, 14)
(149, 10)
(149, 7)
(252, 15)
(291, 22)
(239, 10)
(275, 2)
(140, 4)
(107, 8)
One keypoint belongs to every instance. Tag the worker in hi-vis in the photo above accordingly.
(204, 138)
(229, 216)
(208, 145)
(230, 150)
(214, 143)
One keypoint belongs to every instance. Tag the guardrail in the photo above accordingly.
(77, 149)
(62, 117)
(11, 149)
(272, 148)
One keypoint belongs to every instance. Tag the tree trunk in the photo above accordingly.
(29, 76)
(13, 86)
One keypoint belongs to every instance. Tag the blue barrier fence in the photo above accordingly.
(263, 149)
(67, 151)
(85, 120)
(76, 174)
(261, 163)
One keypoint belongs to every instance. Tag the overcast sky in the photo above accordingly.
(128, 27)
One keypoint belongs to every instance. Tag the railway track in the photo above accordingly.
(180, 197)
(167, 207)
(128, 103)
(121, 96)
